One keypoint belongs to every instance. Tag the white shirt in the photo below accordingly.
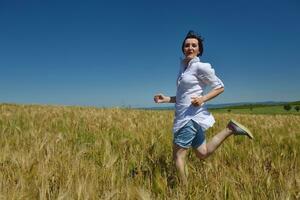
(191, 82)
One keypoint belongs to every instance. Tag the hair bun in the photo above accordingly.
(193, 34)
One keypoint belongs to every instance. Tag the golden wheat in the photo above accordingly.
(55, 152)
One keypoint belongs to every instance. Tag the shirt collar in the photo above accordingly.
(196, 59)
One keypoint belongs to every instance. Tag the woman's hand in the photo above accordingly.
(160, 98)
(197, 101)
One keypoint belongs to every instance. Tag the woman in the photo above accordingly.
(191, 117)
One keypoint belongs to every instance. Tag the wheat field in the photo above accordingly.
(56, 152)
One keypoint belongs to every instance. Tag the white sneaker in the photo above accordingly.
(239, 129)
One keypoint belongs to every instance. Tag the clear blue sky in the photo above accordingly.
(120, 53)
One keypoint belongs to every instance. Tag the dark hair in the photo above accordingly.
(192, 34)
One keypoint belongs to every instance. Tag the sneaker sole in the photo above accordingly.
(249, 134)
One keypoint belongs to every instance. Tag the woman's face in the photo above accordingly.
(191, 48)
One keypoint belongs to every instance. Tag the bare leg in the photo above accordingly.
(179, 154)
(204, 150)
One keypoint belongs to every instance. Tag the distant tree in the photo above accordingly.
(228, 110)
(297, 108)
(251, 107)
(287, 107)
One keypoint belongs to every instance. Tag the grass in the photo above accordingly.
(53, 152)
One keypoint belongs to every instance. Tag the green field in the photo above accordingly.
(56, 152)
(277, 109)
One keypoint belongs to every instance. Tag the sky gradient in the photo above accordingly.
(121, 53)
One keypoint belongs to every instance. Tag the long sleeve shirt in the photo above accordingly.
(191, 81)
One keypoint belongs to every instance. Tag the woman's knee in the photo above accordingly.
(201, 152)
(178, 157)
(179, 154)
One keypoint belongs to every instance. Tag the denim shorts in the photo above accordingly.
(190, 135)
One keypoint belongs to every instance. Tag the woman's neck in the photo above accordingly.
(186, 60)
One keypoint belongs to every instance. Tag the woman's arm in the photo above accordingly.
(198, 101)
(160, 98)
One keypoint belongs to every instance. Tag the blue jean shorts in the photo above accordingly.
(190, 135)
